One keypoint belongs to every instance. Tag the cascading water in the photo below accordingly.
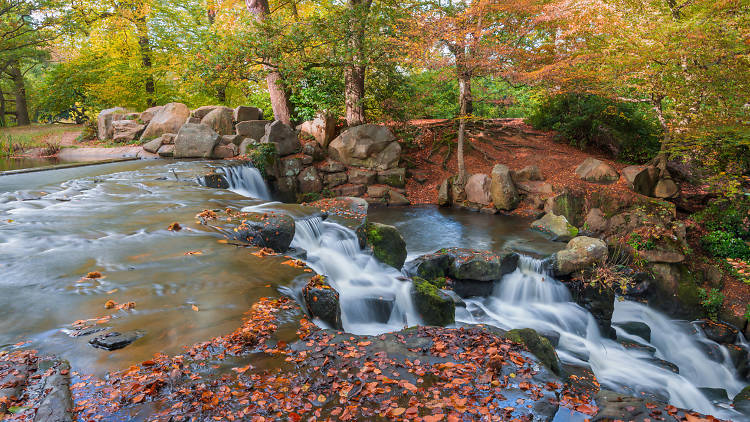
(246, 180)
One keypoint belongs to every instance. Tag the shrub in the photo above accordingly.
(725, 245)
(626, 130)
(728, 215)
(711, 302)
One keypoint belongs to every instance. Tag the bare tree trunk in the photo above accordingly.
(2, 109)
(660, 161)
(144, 46)
(282, 107)
(466, 108)
(22, 109)
(354, 75)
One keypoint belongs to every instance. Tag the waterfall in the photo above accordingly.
(246, 180)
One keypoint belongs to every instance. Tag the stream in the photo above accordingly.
(56, 226)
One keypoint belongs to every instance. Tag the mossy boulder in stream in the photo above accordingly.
(556, 226)
(538, 345)
(268, 230)
(322, 301)
(385, 242)
(435, 306)
(215, 180)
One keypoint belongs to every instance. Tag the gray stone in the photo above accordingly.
(283, 136)
(349, 190)
(478, 189)
(322, 128)
(168, 138)
(254, 129)
(362, 176)
(192, 119)
(167, 120)
(246, 145)
(115, 340)
(224, 151)
(596, 171)
(556, 226)
(330, 166)
(245, 113)
(231, 139)
(149, 114)
(313, 149)
(377, 191)
(641, 179)
(153, 146)
(580, 253)
(269, 230)
(666, 189)
(527, 174)
(369, 146)
(57, 402)
(596, 221)
(166, 151)
(393, 177)
(126, 130)
(397, 199)
(104, 121)
(444, 199)
(220, 120)
(502, 189)
(309, 180)
(290, 167)
(322, 302)
(335, 179)
(202, 111)
(434, 305)
(385, 242)
(195, 141)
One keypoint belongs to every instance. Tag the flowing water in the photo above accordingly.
(56, 226)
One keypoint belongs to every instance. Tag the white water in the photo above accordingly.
(246, 180)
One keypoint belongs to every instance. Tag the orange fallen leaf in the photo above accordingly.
(195, 308)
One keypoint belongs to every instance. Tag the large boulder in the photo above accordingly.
(470, 264)
(569, 203)
(666, 188)
(369, 146)
(167, 120)
(153, 146)
(195, 141)
(641, 179)
(556, 226)
(269, 230)
(222, 151)
(502, 189)
(148, 114)
(435, 306)
(538, 345)
(126, 130)
(362, 176)
(322, 301)
(220, 120)
(253, 129)
(104, 121)
(283, 136)
(322, 128)
(582, 252)
(478, 189)
(393, 177)
(527, 174)
(596, 171)
(202, 111)
(386, 243)
(245, 113)
(309, 181)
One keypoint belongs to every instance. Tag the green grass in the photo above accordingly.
(15, 140)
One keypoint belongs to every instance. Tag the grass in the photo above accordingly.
(15, 140)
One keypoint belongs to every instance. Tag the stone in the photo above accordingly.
(104, 121)
(570, 203)
(231, 139)
(385, 242)
(149, 114)
(220, 120)
(283, 136)
(478, 189)
(392, 177)
(124, 131)
(556, 226)
(254, 129)
(596, 221)
(636, 328)
(153, 146)
(322, 128)
(718, 331)
(115, 340)
(666, 189)
(287, 185)
(168, 138)
(502, 189)
(215, 180)
(527, 174)
(202, 111)
(224, 151)
(245, 145)
(167, 120)
(430, 266)
(349, 190)
(195, 141)
(266, 230)
(435, 306)
(309, 180)
(596, 171)
(580, 253)
(314, 150)
(369, 146)
(362, 176)
(377, 191)
(600, 302)
(397, 199)
(166, 151)
(335, 179)
(192, 119)
(641, 179)
(322, 301)
(534, 187)
(56, 404)
(444, 199)
(290, 167)
(538, 345)
(245, 113)
(469, 264)
(330, 166)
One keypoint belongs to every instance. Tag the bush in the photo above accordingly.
(725, 245)
(711, 302)
(626, 130)
(732, 216)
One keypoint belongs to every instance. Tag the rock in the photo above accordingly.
(666, 188)
(254, 129)
(166, 151)
(168, 120)
(636, 328)
(268, 230)
(148, 114)
(314, 150)
(220, 120)
(435, 306)
(335, 179)
(126, 130)
(538, 346)
(195, 141)
(397, 199)
(641, 179)
(377, 191)
(362, 176)
(322, 301)
(596, 222)
(231, 139)
(430, 266)
(369, 146)
(596, 171)
(386, 243)
(224, 151)
(153, 146)
(104, 121)
(716, 395)
(246, 145)
(569, 203)
(741, 401)
(57, 402)
(168, 138)
(556, 226)
(469, 264)
(192, 119)
(322, 128)
(582, 252)
(600, 302)
(393, 177)
(287, 185)
(283, 136)
(290, 167)
(245, 113)
(330, 166)
(718, 331)
(527, 174)
(502, 189)
(115, 340)
(659, 255)
(444, 199)
(215, 180)
(478, 189)
(309, 181)
(202, 111)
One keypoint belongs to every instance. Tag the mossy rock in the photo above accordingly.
(435, 306)
(387, 244)
(430, 266)
(265, 158)
(538, 346)
(269, 230)
(571, 205)
(742, 401)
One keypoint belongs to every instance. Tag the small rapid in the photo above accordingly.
(246, 180)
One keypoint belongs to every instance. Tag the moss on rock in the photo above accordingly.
(538, 346)
(386, 243)
(436, 307)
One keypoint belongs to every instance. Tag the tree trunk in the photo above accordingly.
(144, 45)
(466, 108)
(2, 109)
(22, 109)
(660, 161)
(354, 75)
(282, 107)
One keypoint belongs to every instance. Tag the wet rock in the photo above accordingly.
(430, 266)
(581, 252)
(115, 340)
(469, 264)
(538, 345)
(57, 403)
(269, 230)
(283, 136)
(636, 328)
(253, 129)
(596, 171)
(633, 345)
(443, 199)
(195, 141)
(669, 366)
(322, 301)
(153, 146)
(478, 189)
(386, 243)
(168, 120)
(435, 307)
(502, 189)
(556, 226)
(716, 395)
(599, 301)
(380, 308)
(641, 179)
(369, 146)
(718, 331)
(616, 406)
(245, 113)
(220, 120)
(397, 199)
(392, 177)
(215, 180)
(104, 122)
(473, 288)
(741, 401)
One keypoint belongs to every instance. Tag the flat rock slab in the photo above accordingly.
(116, 340)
